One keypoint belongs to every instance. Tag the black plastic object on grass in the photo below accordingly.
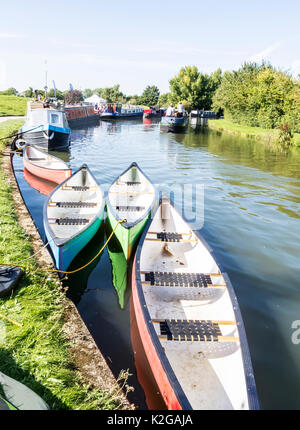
(9, 279)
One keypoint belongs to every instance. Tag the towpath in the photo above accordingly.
(6, 118)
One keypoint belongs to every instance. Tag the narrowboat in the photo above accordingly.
(117, 111)
(174, 124)
(152, 113)
(189, 320)
(44, 165)
(72, 215)
(45, 127)
(79, 115)
(199, 118)
(132, 197)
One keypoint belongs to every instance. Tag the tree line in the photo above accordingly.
(254, 95)
(259, 95)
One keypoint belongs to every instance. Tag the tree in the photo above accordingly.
(29, 92)
(257, 95)
(59, 94)
(133, 100)
(113, 94)
(193, 88)
(164, 99)
(87, 93)
(9, 92)
(73, 97)
(150, 96)
(98, 91)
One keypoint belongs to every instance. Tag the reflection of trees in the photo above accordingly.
(250, 153)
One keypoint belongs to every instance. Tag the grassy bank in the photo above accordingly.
(37, 353)
(13, 105)
(8, 128)
(267, 135)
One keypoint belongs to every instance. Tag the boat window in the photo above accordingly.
(54, 118)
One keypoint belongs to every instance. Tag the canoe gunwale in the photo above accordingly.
(248, 369)
(115, 213)
(185, 404)
(25, 156)
(60, 242)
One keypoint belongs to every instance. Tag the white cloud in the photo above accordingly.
(263, 55)
(12, 36)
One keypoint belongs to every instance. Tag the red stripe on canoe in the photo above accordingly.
(158, 371)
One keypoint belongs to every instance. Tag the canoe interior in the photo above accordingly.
(74, 205)
(211, 373)
(131, 196)
(43, 159)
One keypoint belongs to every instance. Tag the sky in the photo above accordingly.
(96, 43)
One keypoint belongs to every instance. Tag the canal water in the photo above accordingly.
(251, 208)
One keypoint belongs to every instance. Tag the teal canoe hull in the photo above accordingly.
(65, 253)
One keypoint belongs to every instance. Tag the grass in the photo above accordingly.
(7, 128)
(13, 105)
(258, 133)
(37, 353)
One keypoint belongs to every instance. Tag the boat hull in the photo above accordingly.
(170, 397)
(65, 253)
(127, 237)
(173, 366)
(81, 115)
(48, 139)
(52, 175)
(147, 115)
(174, 124)
(111, 116)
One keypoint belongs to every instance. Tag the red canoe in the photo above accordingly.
(45, 166)
(188, 320)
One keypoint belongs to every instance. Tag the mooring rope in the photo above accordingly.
(10, 320)
(23, 132)
(63, 271)
(60, 271)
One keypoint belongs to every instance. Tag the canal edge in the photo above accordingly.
(86, 355)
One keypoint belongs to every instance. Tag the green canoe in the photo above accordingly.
(131, 196)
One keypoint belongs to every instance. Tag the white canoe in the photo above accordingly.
(72, 215)
(189, 320)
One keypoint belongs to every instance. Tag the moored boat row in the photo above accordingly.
(186, 310)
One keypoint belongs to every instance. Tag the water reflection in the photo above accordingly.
(76, 283)
(42, 185)
(119, 265)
